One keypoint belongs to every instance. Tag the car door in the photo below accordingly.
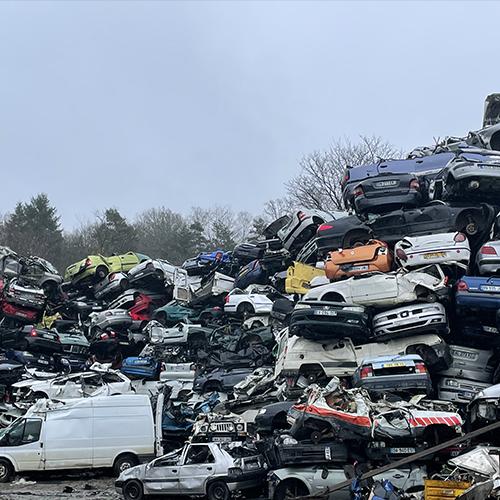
(378, 289)
(162, 476)
(199, 465)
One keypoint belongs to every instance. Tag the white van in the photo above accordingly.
(103, 431)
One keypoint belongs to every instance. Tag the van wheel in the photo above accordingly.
(6, 470)
(218, 490)
(124, 462)
(132, 490)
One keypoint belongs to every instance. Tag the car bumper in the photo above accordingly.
(477, 301)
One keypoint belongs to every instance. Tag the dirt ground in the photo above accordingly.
(94, 485)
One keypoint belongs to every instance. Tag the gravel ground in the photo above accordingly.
(98, 486)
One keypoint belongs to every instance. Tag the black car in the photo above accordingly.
(387, 192)
(330, 320)
(272, 417)
(435, 217)
(29, 338)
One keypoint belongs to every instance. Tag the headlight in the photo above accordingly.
(262, 411)
(302, 306)
(355, 309)
(240, 427)
(452, 383)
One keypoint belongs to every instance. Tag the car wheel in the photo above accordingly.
(316, 437)
(290, 488)
(6, 470)
(23, 345)
(218, 490)
(101, 272)
(471, 228)
(431, 297)
(124, 284)
(245, 308)
(132, 490)
(124, 462)
(312, 377)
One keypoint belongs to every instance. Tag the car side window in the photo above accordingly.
(199, 454)
(23, 432)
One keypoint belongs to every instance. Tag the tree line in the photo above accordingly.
(34, 227)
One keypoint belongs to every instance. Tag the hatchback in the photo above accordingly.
(406, 373)
(488, 258)
(441, 248)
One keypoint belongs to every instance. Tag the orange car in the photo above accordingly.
(374, 256)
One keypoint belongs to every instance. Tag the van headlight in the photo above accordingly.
(302, 306)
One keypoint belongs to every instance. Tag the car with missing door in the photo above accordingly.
(207, 469)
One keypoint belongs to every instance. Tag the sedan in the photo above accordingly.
(475, 179)
(247, 301)
(152, 273)
(385, 290)
(475, 293)
(393, 374)
(76, 385)
(330, 320)
(387, 192)
(488, 258)
(440, 248)
(111, 286)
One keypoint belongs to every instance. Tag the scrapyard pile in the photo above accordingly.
(339, 345)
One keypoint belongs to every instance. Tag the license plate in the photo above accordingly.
(463, 354)
(490, 288)
(392, 365)
(23, 315)
(357, 269)
(324, 312)
(402, 450)
(468, 395)
(221, 439)
(490, 329)
(434, 255)
(385, 183)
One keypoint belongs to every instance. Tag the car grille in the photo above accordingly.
(222, 427)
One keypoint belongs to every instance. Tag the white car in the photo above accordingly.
(488, 258)
(385, 289)
(442, 248)
(249, 300)
(411, 319)
(97, 381)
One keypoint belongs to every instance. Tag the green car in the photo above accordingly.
(97, 267)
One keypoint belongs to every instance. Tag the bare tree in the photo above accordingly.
(318, 185)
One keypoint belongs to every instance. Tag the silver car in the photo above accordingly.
(310, 480)
(207, 469)
(410, 320)
(488, 258)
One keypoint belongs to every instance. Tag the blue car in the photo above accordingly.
(477, 293)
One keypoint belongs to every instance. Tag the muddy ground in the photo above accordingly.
(94, 485)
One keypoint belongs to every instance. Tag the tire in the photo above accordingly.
(133, 490)
(316, 437)
(124, 284)
(101, 272)
(218, 490)
(6, 470)
(124, 462)
(312, 377)
(293, 488)
(355, 239)
(431, 298)
(23, 345)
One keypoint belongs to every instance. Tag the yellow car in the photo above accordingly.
(97, 267)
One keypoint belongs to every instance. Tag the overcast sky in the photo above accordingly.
(135, 105)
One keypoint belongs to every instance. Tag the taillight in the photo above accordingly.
(112, 276)
(33, 333)
(150, 264)
(301, 215)
(227, 299)
(401, 255)
(459, 237)
(88, 263)
(488, 251)
(414, 184)
(367, 372)
(420, 368)
(358, 191)
(193, 367)
(324, 226)
(462, 285)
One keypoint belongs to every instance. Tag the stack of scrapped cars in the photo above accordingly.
(363, 337)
